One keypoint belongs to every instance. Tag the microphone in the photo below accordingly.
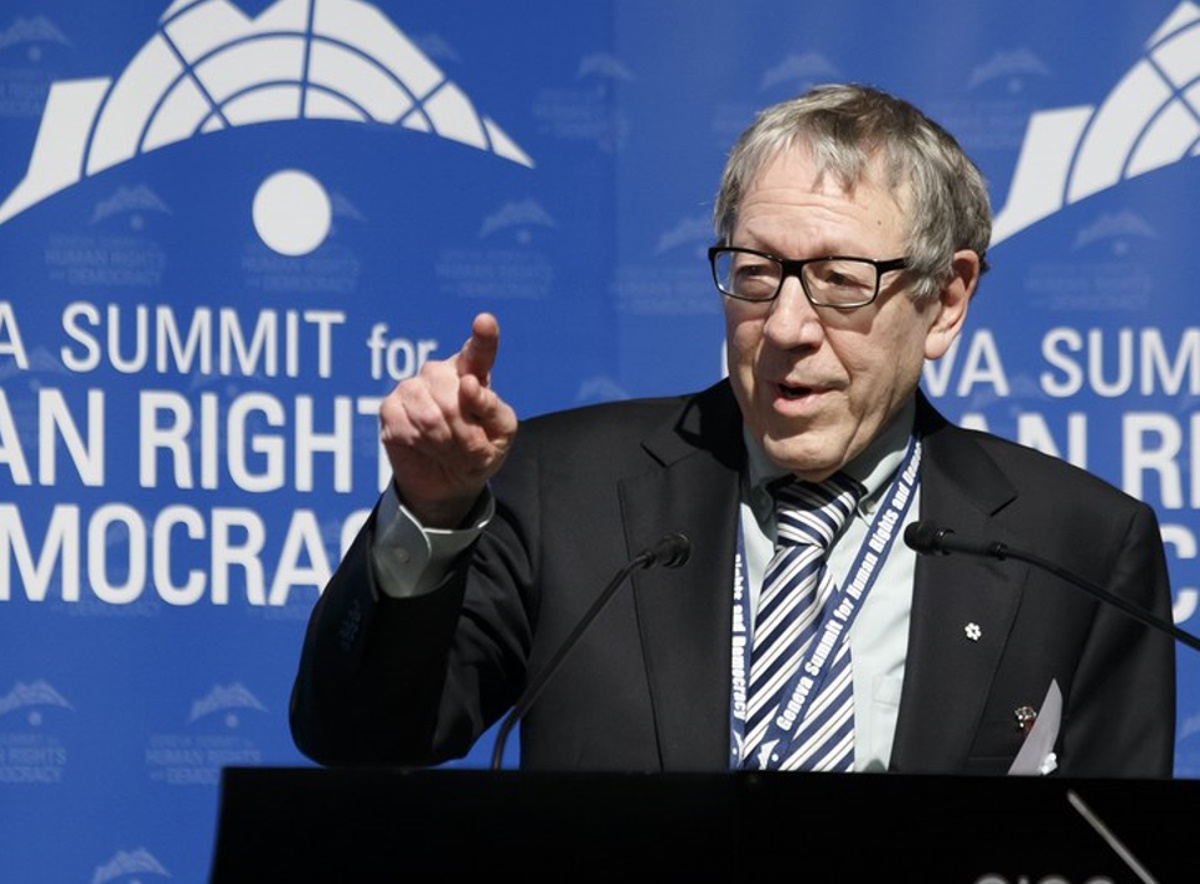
(929, 538)
(670, 551)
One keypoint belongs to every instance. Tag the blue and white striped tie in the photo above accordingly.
(796, 587)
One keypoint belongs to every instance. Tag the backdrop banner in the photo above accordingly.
(229, 227)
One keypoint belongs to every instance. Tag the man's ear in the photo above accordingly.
(950, 312)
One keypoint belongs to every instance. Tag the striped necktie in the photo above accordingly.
(795, 590)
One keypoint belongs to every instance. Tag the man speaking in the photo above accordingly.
(802, 634)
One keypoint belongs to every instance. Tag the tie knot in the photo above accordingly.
(814, 512)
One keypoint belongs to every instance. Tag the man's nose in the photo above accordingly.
(794, 321)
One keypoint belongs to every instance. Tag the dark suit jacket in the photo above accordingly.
(417, 681)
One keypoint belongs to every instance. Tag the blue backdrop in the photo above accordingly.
(227, 228)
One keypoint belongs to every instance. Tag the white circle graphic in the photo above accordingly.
(292, 213)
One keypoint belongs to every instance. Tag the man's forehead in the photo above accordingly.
(831, 170)
(798, 166)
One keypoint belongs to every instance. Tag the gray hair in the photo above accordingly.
(847, 127)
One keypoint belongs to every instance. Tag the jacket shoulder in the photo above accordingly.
(982, 458)
(667, 428)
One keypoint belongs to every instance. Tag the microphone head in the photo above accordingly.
(924, 537)
(671, 551)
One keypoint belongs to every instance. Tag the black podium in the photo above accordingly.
(309, 824)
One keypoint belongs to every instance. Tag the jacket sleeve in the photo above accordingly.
(416, 681)
(372, 668)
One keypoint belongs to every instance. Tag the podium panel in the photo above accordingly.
(310, 824)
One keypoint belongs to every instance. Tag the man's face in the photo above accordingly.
(816, 384)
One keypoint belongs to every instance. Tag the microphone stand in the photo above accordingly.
(925, 537)
(670, 552)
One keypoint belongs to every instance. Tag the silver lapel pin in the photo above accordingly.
(1026, 716)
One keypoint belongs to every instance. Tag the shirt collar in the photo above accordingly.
(874, 467)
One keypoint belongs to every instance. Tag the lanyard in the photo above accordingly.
(837, 617)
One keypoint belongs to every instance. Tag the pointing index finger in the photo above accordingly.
(478, 354)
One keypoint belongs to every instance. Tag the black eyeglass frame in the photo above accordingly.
(793, 268)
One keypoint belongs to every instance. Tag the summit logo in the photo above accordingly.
(209, 67)
(31, 699)
(31, 751)
(1149, 120)
(130, 865)
(215, 738)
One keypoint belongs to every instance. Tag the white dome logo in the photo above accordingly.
(210, 68)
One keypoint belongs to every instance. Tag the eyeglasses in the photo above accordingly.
(832, 281)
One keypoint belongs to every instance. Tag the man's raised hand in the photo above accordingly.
(446, 432)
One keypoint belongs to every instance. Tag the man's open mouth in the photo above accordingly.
(794, 392)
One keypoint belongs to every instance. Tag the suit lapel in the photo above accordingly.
(963, 606)
(684, 613)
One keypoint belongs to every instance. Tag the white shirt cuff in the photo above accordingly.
(412, 560)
